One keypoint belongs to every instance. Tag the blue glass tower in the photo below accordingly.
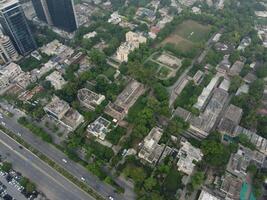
(14, 24)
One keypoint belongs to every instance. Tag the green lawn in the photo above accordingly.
(193, 31)
(163, 72)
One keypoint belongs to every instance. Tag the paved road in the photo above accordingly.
(56, 155)
(50, 182)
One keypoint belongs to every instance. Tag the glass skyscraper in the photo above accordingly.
(14, 24)
(59, 13)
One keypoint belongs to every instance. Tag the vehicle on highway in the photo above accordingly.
(83, 179)
(21, 147)
(3, 123)
(19, 134)
(64, 160)
(110, 198)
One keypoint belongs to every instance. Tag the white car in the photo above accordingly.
(3, 123)
(83, 179)
(64, 160)
(110, 198)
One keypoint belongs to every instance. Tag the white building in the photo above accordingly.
(99, 128)
(38, 73)
(115, 18)
(11, 71)
(90, 35)
(7, 50)
(8, 74)
(90, 99)
(188, 156)
(204, 195)
(133, 40)
(56, 80)
(63, 113)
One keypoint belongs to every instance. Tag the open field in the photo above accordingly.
(187, 35)
(193, 31)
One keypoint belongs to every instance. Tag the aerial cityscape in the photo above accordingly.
(133, 99)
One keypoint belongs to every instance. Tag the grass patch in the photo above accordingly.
(110, 72)
(163, 73)
(193, 31)
(187, 35)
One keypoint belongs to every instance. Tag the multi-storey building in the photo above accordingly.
(14, 24)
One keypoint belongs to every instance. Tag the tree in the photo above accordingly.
(197, 180)
(160, 92)
(6, 167)
(215, 153)
(235, 83)
(97, 57)
(176, 126)
(252, 169)
(261, 71)
(150, 183)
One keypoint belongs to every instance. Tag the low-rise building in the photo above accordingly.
(56, 48)
(133, 40)
(187, 157)
(225, 85)
(236, 68)
(198, 77)
(126, 99)
(230, 120)
(245, 42)
(99, 128)
(231, 187)
(38, 73)
(240, 161)
(63, 113)
(206, 92)
(90, 35)
(115, 18)
(250, 77)
(23, 80)
(151, 151)
(90, 99)
(57, 108)
(10, 71)
(205, 195)
(8, 74)
(259, 142)
(56, 80)
(72, 119)
(200, 126)
(224, 65)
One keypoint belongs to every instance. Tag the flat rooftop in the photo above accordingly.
(57, 106)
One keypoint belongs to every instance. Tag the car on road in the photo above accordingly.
(64, 160)
(21, 147)
(82, 178)
(19, 134)
(110, 198)
(3, 123)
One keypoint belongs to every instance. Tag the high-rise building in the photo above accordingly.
(59, 13)
(14, 24)
(41, 10)
(8, 52)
